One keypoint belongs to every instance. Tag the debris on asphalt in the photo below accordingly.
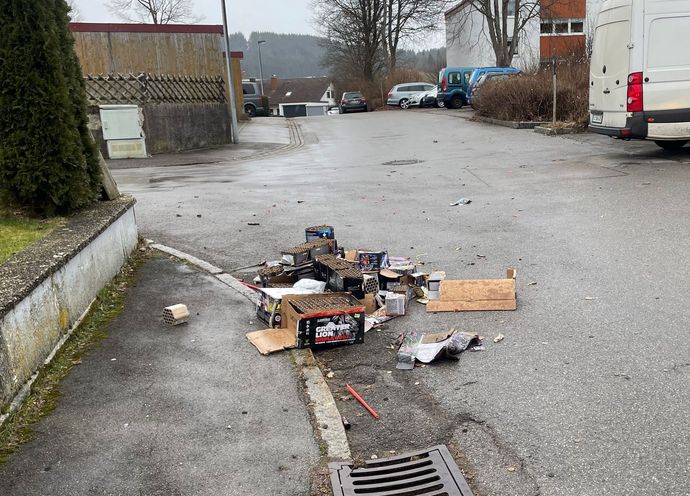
(346, 423)
(426, 348)
(499, 338)
(253, 224)
(330, 375)
(321, 295)
(461, 201)
(175, 314)
(476, 295)
(362, 402)
(533, 283)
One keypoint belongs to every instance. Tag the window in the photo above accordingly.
(454, 78)
(511, 8)
(561, 27)
(248, 89)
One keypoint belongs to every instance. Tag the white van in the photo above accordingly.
(640, 71)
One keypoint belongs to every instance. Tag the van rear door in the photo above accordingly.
(610, 63)
(667, 55)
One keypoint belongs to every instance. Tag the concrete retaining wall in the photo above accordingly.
(173, 127)
(41, 300)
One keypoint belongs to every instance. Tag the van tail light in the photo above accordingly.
(444, 84)
(635, 92)
(343, 101)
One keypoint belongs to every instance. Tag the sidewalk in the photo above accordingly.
(260, 136)
(185, 410)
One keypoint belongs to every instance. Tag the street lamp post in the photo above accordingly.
(261, 67)
(228, 63)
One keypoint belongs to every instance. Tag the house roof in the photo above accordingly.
(95, 27)
(456, 8)
(301, 90)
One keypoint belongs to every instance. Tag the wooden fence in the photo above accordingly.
(152, 88)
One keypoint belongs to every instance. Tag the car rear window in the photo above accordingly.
(248, 89)
(353, 95)
(455, 78)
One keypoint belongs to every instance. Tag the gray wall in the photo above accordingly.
(173, 127)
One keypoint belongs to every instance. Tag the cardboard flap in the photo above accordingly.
(479, 290)
(389, 274)
(271, 340)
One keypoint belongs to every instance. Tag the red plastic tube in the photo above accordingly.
(364, 403)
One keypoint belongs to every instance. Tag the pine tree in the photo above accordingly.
(47, 159)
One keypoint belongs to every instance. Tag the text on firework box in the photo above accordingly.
(322, 320)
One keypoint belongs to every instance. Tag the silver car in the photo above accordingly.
(400, 94)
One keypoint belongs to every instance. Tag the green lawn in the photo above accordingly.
(16, 233)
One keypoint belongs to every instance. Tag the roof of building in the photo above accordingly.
(97, 27)
(456, 8)
(301, 90)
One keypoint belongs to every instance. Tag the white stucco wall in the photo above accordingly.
(31, 329)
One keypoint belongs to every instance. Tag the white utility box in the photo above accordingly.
(123, 131)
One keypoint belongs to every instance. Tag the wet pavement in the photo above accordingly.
(162, 410)
(587, 394)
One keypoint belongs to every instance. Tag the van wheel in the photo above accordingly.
(671, 145)
(456, 102)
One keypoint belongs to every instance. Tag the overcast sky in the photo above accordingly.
(280, 16)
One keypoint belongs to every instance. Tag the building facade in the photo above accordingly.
(561, 30)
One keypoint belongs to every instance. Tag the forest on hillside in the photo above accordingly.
(300, 55)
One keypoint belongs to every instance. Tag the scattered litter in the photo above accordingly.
(461, 201)
(533, 283)
(499, 338)
(113, 359)
(330, 375)
(362, 402)
(377, 319)
(374, 457)
(429, 347)
(175, 314)
(511, 469)
(346, 423)
(253, 224)
(471, 295)
(590, 298)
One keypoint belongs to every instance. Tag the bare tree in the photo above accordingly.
(405, 19)
(156, 11)
(74, 12)
(504, 22)
(354, 36)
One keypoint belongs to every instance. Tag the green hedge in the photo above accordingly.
(48, 161)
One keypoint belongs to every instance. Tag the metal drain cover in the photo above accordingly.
(431, 472)
(403, 162)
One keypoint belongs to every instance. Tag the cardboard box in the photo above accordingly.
(434, 284)
(395, 304)
(474, 295)
(372, 260)
(268, 307)
(319, 232)
(388, 279)
(324, 320)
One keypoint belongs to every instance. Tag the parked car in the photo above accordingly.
(425, 99)
(453, 86)
(352, 100)
(334, 111)
(487, 76)
(640, 72)
(400, 94)
(253, 101)
(479, 72)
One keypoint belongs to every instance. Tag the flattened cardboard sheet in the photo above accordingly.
(269, 341)
(476, 295)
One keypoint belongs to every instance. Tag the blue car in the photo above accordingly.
(453, 86)
(479, 72)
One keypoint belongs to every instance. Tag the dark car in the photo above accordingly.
(352, 100)
(254, 102)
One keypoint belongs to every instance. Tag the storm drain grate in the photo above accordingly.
(430, 472)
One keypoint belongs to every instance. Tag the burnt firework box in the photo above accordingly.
(349, 280)
(324, 320)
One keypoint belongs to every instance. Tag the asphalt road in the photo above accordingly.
(587, 394)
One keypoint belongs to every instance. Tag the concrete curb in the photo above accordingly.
(328, 422)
